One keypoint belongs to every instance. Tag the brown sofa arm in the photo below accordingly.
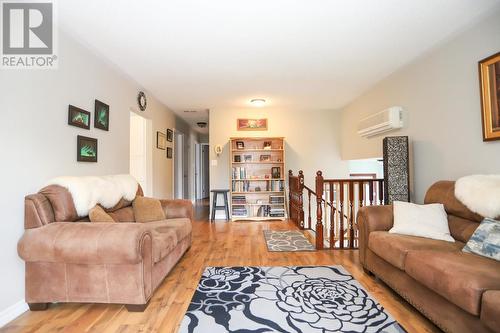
(372, 218)
(177, 208)
(85, 243)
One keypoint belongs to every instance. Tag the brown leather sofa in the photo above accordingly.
(459, 292)
(69, 259)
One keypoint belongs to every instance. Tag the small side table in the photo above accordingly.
(214, 203)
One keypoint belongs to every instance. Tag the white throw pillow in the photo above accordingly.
(429, 221)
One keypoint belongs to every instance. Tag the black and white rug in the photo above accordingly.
(307, 299)
(285, 241)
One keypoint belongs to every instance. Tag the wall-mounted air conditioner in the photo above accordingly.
(381, 122)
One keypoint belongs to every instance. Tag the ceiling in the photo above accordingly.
(304, 54)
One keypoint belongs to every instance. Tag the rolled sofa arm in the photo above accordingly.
(177, 208)
(85, 243)
(372, 218)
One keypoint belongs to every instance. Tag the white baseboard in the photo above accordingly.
(12, 312)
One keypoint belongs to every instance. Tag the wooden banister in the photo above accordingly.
(337, 204)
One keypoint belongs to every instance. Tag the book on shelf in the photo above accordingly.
(239, 199)
(276, 199)
(239, 173)
(240, 186)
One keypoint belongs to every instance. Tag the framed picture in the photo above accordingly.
(78, 117)
(86, 149)
(489, 81)
(170, 135)
(169, 152)
(160, 140)
(276, 172)
(240, 145)
(237, 158)
(267, 145)
(101, 115)
(248, 158)
(251, 124)
(265, 158)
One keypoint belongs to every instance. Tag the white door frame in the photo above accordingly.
(178, 162)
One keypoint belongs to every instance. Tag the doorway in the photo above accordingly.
(140, 153)
(202, 176)
(179, 173)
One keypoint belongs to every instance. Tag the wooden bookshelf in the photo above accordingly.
(256, 193)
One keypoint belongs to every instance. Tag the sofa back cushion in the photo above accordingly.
(54, 203)
(462, 221)
(61, 202)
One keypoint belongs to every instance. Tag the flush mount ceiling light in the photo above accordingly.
(258, 102)
(202, 124)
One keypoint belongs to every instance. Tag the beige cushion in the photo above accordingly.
(97, 214)
(148, 210)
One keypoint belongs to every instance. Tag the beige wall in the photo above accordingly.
(312, 140)
(440, 93)
(37, 143)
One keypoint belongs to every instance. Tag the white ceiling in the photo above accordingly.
(307, 54)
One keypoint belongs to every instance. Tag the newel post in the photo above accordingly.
(319, 212)
(300, 190)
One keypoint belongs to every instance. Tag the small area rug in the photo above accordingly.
(285, 241)
(303, 299)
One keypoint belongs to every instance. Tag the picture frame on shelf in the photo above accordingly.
(237, 158)
(101, 115)
(78, 117)
(267, 145)
(276, 172)
(86, 149)
(169, 152)
(248, 158)
(265, 158)
(240, 145)
(160, 140)
(170, 135)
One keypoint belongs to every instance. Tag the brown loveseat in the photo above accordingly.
(69, 259)
(459, 292)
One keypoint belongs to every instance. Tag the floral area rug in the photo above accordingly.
(287, 241)
(306, 299)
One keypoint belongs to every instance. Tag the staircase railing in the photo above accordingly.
(337, 202)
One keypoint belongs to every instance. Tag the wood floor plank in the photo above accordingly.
(214, 244)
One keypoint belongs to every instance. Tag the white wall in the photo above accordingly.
(311, 137)
(37, 143)
(440, 93)
(367, 166)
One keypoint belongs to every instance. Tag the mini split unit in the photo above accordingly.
(381, 122)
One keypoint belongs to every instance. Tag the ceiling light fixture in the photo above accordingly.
(258, 102)
(202, 124)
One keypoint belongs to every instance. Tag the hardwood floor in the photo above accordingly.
(215, 244)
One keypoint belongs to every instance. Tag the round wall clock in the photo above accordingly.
(141, 100)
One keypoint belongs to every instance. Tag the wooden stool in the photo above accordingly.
(214, 203)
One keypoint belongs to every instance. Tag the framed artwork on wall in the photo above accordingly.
(251, 124)
(86, 149)
(489, 81)
(170, 135)
(169, 152)
(101, 115)
(160, 140)
(78, 117)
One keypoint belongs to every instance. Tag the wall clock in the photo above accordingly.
(141, 100)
